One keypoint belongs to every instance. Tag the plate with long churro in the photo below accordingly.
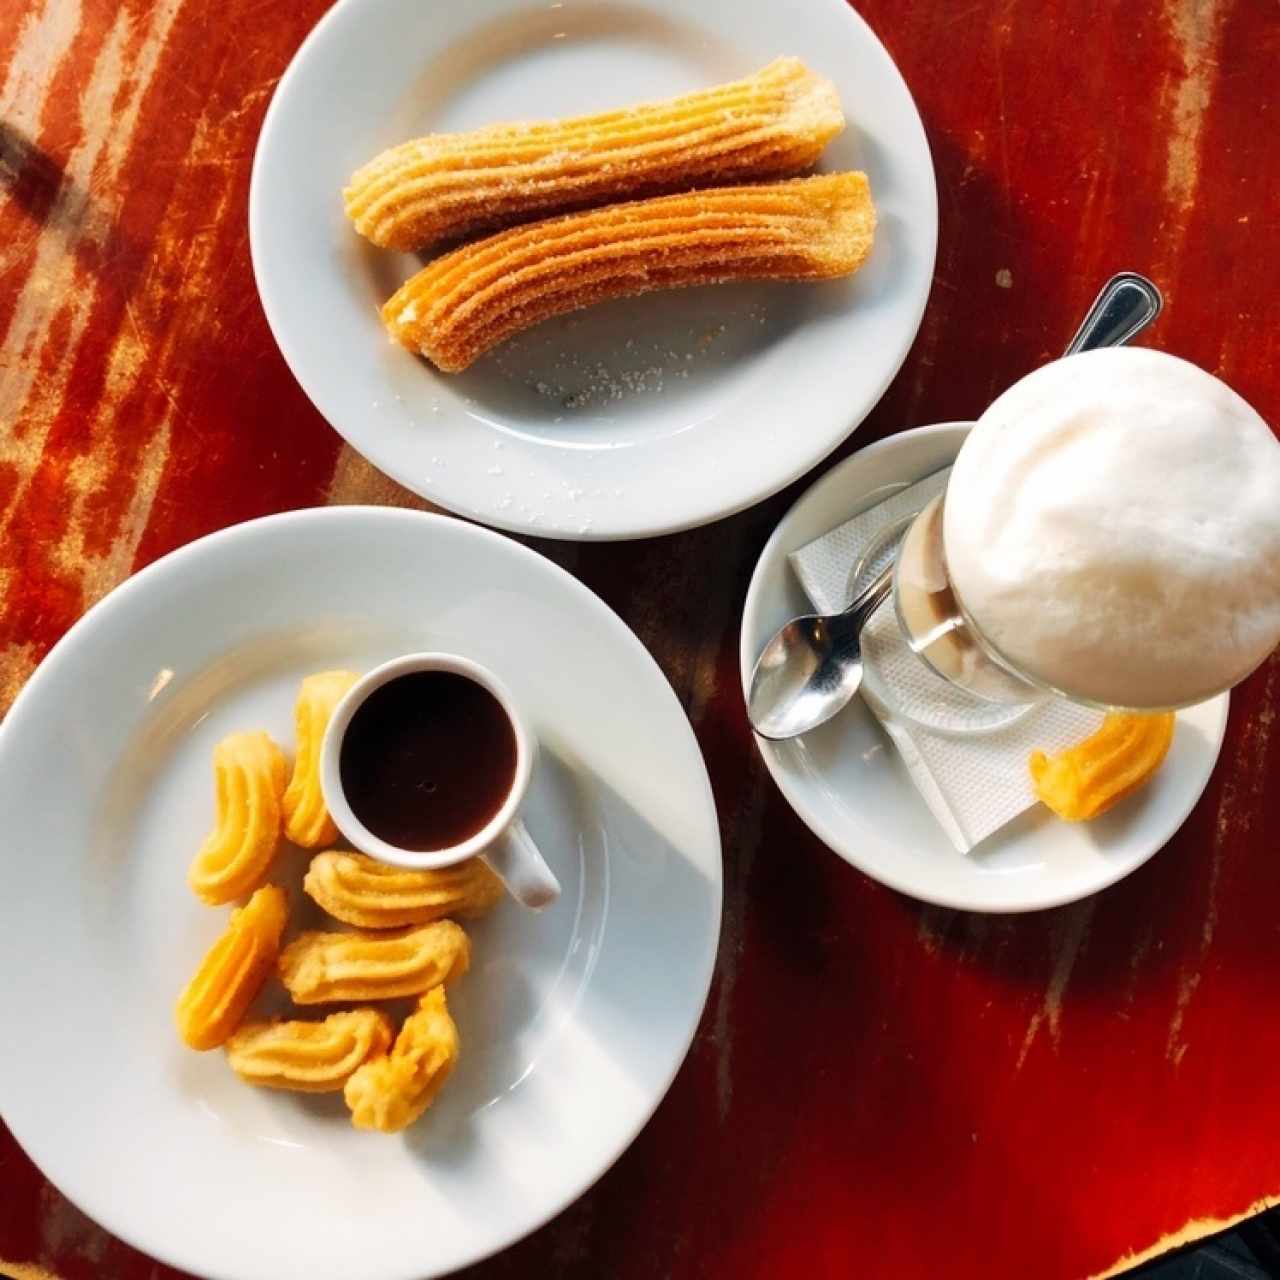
(253, 1050)
(593, 271)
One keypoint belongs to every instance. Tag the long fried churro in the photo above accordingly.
(770, 124)
(468, 301)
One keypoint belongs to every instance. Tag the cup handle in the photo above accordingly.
(515, 860)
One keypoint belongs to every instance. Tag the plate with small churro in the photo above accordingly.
(365, 898)
(587, 271)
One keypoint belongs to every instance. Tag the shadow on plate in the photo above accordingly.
(643, 959)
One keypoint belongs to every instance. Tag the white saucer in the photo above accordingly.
(640, 417)
(851, 789)
(573, 1022)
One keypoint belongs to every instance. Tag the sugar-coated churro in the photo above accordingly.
(770, 124)
(468, 301)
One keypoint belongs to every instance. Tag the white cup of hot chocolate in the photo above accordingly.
(426, 762)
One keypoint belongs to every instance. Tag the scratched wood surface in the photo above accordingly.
(916, 1091)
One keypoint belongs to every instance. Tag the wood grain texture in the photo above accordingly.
(876, 1085)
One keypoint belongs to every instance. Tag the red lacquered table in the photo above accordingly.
(877, 1087)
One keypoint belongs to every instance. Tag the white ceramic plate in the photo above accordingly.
(573, 1022)
(636, 418)
(848, 784)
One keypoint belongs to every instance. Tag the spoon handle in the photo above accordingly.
(1127, 304)
(869, 599)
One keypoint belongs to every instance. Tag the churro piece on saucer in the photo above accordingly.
(321, 967)
(459, 306)
(389, 1093)
(309, 1057)
(374, 895)
(1088, 778)
(249, 773)
(770, 124)
(231, 974)
(306, 820)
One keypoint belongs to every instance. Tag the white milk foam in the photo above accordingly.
(1112, 525)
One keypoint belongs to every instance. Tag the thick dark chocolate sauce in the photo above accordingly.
(427, 760)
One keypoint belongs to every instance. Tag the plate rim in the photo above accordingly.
(771, 482)
(784, 778)
(82, 1197)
